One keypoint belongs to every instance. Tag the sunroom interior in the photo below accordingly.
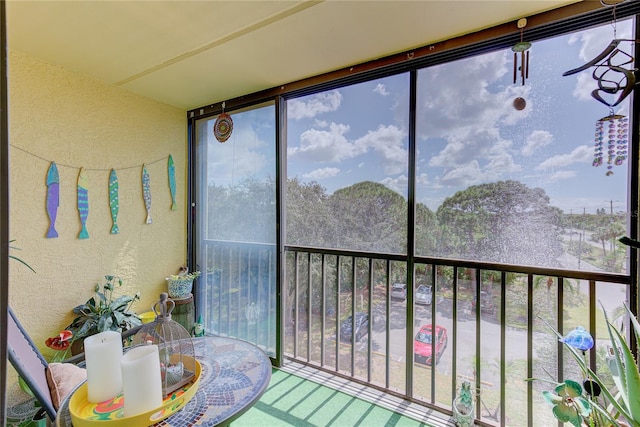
(444, 147)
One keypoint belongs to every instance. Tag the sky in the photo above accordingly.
(468, 131)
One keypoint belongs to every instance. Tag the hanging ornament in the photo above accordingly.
(616, 82)
(521, 48)
(223, 126)
(614, 130)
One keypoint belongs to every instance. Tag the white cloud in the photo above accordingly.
(561, 175)
(400, 183)
(463, 176)
(322, 173)
(469, 104)
(537, 139)
(389, 143)
(332, 146)
(501, 164)
(581, 154)
(325, 145)
(318, 104)
(381, 89)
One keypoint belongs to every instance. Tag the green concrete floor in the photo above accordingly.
(294, 401)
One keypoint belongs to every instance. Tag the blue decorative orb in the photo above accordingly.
(579, 338)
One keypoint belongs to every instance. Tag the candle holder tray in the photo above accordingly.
(110, 413)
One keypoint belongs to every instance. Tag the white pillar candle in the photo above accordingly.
(102, 353)
(142, 385)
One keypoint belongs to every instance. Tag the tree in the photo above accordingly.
(504, 221)
(309, 216)
(371, 217)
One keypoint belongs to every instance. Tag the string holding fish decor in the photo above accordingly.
(53, 199)
(616, 80)
(53, 183)
(223, 126)
(114, 203)
(83, 203)
(146, 193)
(171, 172)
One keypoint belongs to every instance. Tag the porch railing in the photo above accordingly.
(489, 323)
(492, 327)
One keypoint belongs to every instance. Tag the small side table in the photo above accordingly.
(235, 374)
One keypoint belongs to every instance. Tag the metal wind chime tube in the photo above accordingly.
(521, 48)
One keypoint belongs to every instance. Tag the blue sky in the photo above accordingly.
(469, 133)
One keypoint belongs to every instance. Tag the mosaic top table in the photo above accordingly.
(234, 376)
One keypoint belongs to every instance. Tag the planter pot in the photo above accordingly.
(463, 415)
(179, 288)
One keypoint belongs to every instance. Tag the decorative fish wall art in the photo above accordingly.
(83, 202)
(114, 204)
(53, 199)
(146, 192)
(171, 171)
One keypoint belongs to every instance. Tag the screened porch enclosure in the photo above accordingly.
(417, 230)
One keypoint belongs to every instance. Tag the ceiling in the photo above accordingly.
(195, 53)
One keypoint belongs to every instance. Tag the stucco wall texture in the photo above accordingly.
(57, 115)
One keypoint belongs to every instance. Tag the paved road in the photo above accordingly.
(466, 347)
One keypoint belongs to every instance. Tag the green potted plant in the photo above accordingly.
(180, 285)
(102, 312)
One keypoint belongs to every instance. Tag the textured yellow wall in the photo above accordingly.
(57, 115)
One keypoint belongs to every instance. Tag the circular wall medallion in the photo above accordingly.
(223, 127)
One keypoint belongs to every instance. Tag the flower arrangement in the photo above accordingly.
(593, 403)
(102, 312)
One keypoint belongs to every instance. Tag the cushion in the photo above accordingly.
(62, 379)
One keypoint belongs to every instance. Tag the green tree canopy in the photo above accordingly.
(503, 221)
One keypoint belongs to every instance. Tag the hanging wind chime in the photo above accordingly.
(612, 78)
(521, 57)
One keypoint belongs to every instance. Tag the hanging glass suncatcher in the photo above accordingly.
(614, 131)
(615, 76)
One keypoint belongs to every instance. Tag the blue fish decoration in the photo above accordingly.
(171, 169)
(83, 203)
(114, 204)
(146, 192)
(53, 199)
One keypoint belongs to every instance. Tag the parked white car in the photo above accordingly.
(423, 294)
(399, 291)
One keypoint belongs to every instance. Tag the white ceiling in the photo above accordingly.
(194, 53)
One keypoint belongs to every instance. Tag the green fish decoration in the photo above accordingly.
(146, 192)
(83, 202)
(113, 200)
(171, 169)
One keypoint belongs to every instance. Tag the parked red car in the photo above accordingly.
(424, 344)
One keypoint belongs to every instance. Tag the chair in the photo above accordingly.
(31, 364)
